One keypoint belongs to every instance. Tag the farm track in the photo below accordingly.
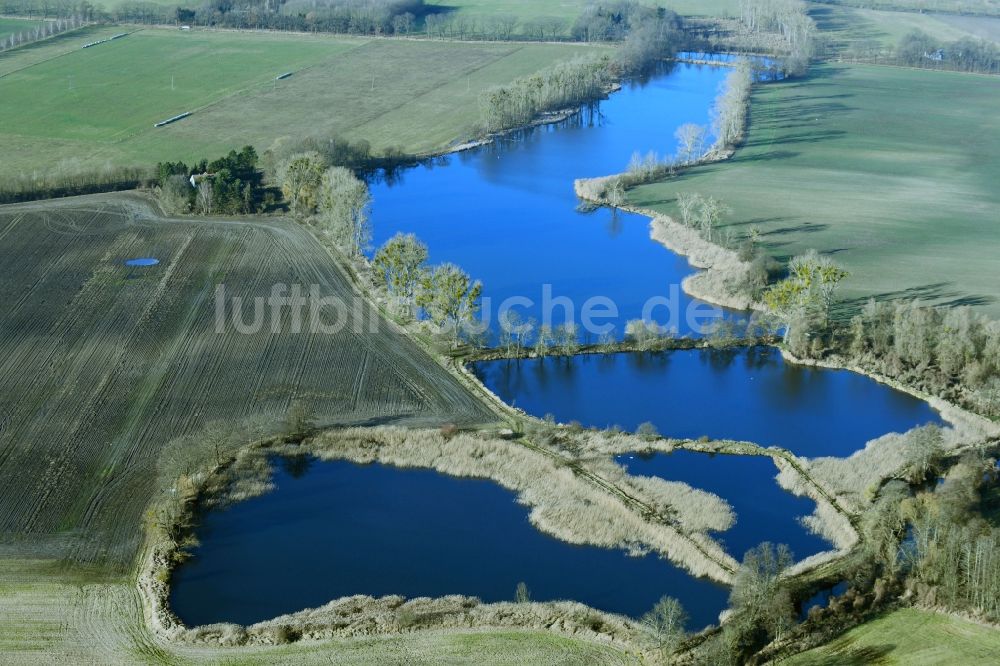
(102, 364)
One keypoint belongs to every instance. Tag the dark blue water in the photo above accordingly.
(745, 394)
(142, 261)
(822, 598)
(507, 213)
(343, 529)
(764, 512)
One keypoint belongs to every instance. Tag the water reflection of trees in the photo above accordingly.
(296, 466)
(648, 361)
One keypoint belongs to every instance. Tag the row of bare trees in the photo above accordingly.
(331, 198)
(444, 294)
(561, 86)
(43, 31)
(787, 19)
(729, 113)
(497, 27)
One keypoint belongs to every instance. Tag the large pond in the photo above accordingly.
(764, 512)
(744, 394)
(506, 213)
(342, 529)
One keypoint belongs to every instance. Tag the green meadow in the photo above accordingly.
(911, 637)
(873, 166)
(98, 105)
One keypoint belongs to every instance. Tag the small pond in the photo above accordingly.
(338, 529)
(142, 261)
(743, 394)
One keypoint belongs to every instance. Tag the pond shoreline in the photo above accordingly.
(686, 550)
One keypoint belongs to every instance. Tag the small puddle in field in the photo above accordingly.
(142, 261)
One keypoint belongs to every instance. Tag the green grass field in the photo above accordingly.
(99, 105)
(908, 637)
(54, 615)
(14, 26)
(844, 25)
(869, 165)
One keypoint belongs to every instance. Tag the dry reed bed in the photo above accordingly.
(361, 616)
(721, 270)
(562, 503)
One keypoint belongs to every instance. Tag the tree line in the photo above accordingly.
(789, 22)
(973, 7)
(363, 17)
(954, 555)
(69, 178)
(951, 352)
(443, 294)
(561, 86)
(567, 85)
(615, 21)
(938, 545)
(329, 197)
(45, 30)
(230, 185)
(599, 22)
(918, 49)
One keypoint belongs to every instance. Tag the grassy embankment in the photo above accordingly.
(867, 164)
(908, 636)
(95, 106)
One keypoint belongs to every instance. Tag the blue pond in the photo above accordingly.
(506, 213)
(743, 394)
(142, 261)
(344, 529)
(764, 512)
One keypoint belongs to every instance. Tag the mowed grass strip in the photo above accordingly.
(911, 637)
(893, 172)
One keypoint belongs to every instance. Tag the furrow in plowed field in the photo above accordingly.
(101, 363)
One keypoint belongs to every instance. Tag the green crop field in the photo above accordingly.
(14, 26)
(868, 165)
(908, 637)
(51, 615)
(98, 105)
(101, 363)
(844, 25)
